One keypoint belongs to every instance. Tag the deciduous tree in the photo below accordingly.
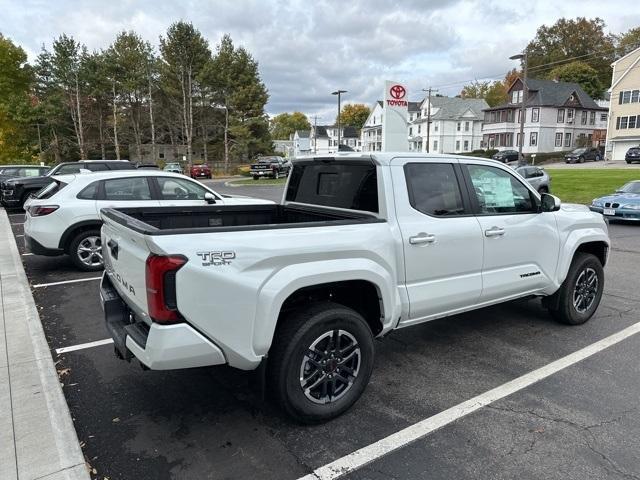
(285, 124)
(582, 74)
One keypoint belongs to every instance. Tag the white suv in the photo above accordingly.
(64, 217)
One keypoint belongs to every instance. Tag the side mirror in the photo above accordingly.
(209, 198)
(549, 203)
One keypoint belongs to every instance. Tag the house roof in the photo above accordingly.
(414, 106)
(350, 132)
(549, 93)
(321, 131)
(451, 108)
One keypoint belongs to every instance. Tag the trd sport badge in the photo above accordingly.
(216, 258)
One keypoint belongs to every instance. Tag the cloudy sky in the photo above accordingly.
(308, 48)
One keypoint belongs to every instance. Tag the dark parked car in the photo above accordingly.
(632, 155)
(579, 155)
(13, 171)
(15, 191)
(274, 167)
(200, 171)
(506, 156)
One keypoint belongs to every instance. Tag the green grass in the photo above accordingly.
(583, 185)
(262, 181)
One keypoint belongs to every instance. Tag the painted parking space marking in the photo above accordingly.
(82, 346)
(52, 284)
(395, 441)
(27, 254)
(17, 224)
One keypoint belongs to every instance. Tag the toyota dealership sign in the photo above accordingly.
(395, 110)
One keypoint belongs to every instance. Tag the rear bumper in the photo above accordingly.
(33, 246)
(159, 347)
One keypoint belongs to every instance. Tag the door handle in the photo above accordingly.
(494, 232)
(422, 238)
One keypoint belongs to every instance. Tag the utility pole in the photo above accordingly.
(429, 91)
(523, 108)
(338, 93)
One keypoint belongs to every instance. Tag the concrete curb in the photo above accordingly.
(37, 436)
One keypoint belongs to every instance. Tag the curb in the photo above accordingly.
(38, 438)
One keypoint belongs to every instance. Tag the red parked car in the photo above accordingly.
(200, 171)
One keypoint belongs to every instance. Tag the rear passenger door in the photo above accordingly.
(125, 192)
(441, 238)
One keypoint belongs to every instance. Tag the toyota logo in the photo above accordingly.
(397, 92)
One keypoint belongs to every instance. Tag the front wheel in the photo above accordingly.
(256, 177)
(579, 296)
(86, 251)
(581, 159)
(598, 158)
(320, 361)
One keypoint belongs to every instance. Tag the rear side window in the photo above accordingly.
(352, 185)
(133, 188)
(68, 169)
(89, 192)
(50, 190)
(30, 172)
(434, 189)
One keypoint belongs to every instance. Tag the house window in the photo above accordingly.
(569, 115)
(518, 140)
(509, 139)
(457, 145)
(632, 122)
(635, 96)
(503, 116)
(603, 117)
(626, 96)
(466, 145)
(583, 119)
(410, 130)
(419, 128)
(466, 126)
(458, 125)
(592, 118)
(435, 127)
(535, 114)
(558, 139)
(561, 115)
(510, 116)
(161, 155)
(533, 139)
(435, 145)
(567, 139)
(623, 122)
(514, 96)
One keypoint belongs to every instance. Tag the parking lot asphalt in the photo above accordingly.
(582, 422)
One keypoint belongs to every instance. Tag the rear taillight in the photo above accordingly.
(42, 210)
(161, 287)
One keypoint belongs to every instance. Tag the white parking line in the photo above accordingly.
(16, 214)
(395, 441)
(40, 285)
(18, 236)
(82, 346)
(27, 254)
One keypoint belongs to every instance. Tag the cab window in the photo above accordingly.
(499, 192)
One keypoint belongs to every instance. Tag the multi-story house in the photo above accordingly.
(372, 129)
(323, 139)
(558, 116)
(455, 125)
(301, 143)
(623, 130)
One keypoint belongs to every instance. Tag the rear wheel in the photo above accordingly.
(598, 158)
(320, 361)
(256, 177)
(579, 296)
(85, 251)
(581, 159)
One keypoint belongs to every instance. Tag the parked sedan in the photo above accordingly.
(536, 177)
(506, 156)
(624, 204)
(64, 217)
(632, 155)
(200, 171)
(173, 168)
(579, 155)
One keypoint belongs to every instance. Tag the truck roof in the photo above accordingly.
(384, 158)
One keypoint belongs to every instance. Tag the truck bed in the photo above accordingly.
(213, 218)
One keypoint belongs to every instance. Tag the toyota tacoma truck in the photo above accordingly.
(360, 245)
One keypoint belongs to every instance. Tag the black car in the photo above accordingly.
(632, 155)
(579, 155)
(13, 171)
(506, 156)
(274, 167)
(15, 191)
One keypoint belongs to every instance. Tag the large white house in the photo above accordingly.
(456, 125)
(559, 116)
(323, 139)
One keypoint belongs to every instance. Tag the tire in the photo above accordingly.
(628, 162)
(85, 251)
(289, 359)
(581, 160)
(256, 177)
(562, 305)
(598, 158)
(276, 175)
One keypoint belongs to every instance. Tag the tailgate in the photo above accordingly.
(125, 254)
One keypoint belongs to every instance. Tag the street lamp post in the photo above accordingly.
(523, 109)
(338, 93)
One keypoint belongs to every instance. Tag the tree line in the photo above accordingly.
(571, 50)
(72, 103)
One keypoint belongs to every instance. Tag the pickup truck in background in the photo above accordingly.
(362, 244)
(274, 167)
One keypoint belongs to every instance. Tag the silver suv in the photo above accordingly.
(537, 178)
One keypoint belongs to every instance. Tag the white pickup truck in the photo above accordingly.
(362, 244)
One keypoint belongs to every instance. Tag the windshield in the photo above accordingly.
(631, 187)
(579, 150)
(265, 160)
